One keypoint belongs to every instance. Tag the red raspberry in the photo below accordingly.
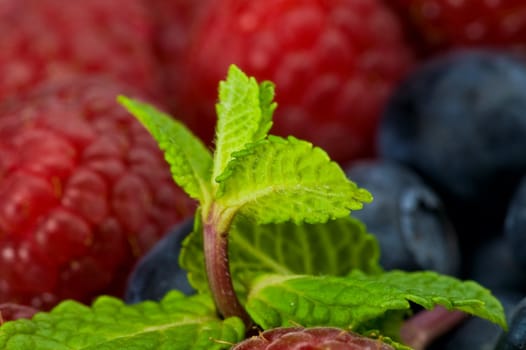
(317, 338)
(450, 24)
(173, 20)
(10, 312)
(51, 39)
(84, 191)
(334, 64)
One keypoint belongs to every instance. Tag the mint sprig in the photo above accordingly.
(177, 322)
(273, 243)
(265, 178)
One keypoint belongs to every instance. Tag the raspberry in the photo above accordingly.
(316, 338)
(445, 24)
(51, 39)
(10, 311)
(84, 192)
(334, 64)
(173, 20)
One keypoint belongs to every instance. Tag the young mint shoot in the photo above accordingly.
(265, 178)
(273, 245)
(285, 191)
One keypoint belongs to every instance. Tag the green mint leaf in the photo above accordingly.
(244, 113)
(388, 340)
(335, 248)
(358, 299)
(185, 323)
(192, 257)
(192, 260)
(396, 345)
(277, 180)
(190, 161)
(389, 323)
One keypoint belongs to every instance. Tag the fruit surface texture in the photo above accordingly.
(44, 40)
(407, 217)
(84, 192)
(458, 121)
(448, 25)
(334, 64)
(317, 338)
(158, 272)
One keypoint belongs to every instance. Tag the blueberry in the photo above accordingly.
(158, 271)
(407, 218)
(494, 267)
(515, 224)
(515, 338)
(460, 122)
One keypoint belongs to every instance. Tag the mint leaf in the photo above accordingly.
(192, 257)
(358, 299)
(176, 322)
(244, 115)
(190, 161)
(268, 106)
(334, 248)
(395, 344)
(277, 180)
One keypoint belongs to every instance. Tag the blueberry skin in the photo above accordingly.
(494, 267)
(515, 338)
(460, 122)
(515, 224)
(406, 217)
(158, 271)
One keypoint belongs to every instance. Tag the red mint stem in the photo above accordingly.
(426, 326)
(218, 271)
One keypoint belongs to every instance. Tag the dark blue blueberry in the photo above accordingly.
(460, 122)
(515, 338)
(494, 267)
(158, 271)
(515, 224)
(407, 218)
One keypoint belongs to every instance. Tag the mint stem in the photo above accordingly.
(426, 326)
(218, 272)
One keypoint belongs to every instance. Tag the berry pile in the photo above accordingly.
(334, 64)
(423, 102)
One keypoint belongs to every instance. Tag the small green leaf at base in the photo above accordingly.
(177, 322)
(357, 300)
(192, 256)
